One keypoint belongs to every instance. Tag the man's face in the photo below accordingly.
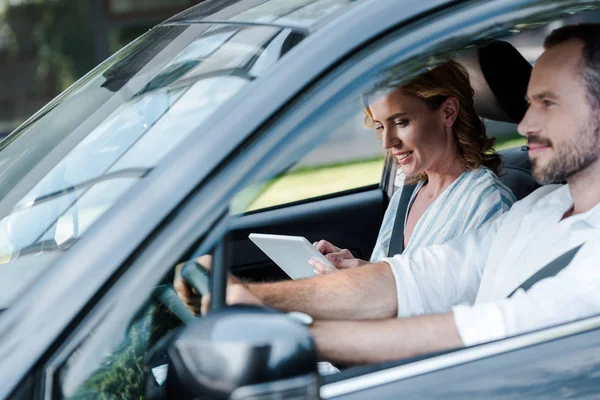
(561, 126)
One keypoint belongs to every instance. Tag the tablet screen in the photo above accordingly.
(290, 253)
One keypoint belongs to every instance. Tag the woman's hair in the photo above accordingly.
(433, 87)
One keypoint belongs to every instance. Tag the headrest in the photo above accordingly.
(516, 172)
(499, 76)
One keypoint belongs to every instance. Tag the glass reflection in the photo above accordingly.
(110, 145)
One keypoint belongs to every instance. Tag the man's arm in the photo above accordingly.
(363, 342)
(432, 279)
(572, 294)
(429, 281)
(362, 293)
(368, 292)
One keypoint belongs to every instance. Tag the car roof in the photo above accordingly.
(306, 15)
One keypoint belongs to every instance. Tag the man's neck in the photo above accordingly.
(585, 189)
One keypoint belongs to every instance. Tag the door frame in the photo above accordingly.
(204, 209)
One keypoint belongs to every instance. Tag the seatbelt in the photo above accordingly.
(397, 239)
(550, 269)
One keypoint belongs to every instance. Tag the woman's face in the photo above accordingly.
(416, 136)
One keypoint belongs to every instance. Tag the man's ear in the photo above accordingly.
(450, 108)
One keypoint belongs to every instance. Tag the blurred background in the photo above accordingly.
(45, 45)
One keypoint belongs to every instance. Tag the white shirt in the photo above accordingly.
(473, 274)
(483, 197)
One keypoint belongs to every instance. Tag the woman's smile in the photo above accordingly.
(403, 157)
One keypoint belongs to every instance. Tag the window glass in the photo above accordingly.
(126, 346)
(62, 171)
(125, 371)
(351, 157)
(117, 358)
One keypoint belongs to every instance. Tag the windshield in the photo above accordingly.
(63, 169)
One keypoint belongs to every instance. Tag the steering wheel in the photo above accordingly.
(196, 276)
(155, 362)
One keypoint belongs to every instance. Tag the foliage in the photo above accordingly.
(121, 374)
(56, 33)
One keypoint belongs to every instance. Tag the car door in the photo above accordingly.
(349, 220)
(341, 200)
(562, 362)
(124, 302)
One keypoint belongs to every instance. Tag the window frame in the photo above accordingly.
(129, 225)
(150, 263)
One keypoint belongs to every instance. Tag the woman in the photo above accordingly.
(432, 130)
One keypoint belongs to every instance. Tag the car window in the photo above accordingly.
(351, 157)
(126, 370)
(107, 361)
(78, 157)
(117, 356)
(120, 355)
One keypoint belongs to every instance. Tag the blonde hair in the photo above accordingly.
(433, 87)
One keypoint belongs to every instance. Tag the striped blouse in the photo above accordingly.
(476, 197)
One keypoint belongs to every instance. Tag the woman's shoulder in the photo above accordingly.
(485, 181)
(488, 197)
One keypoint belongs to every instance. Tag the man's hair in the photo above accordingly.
(589, 35)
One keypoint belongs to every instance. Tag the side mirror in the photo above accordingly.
(242, 352)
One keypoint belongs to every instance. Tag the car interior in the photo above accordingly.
(499, 96)
(350, 219)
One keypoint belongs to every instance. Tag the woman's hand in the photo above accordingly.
(340, 258)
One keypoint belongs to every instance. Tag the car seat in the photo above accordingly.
(499, 76)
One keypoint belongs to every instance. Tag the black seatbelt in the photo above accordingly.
(550, 269)
(397, 239)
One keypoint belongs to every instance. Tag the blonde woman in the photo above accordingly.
(432, 130)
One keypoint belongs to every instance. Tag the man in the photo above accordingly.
(461, 293)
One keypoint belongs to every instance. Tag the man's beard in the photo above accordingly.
(570, 158)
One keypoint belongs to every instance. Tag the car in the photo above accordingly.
(166, 152)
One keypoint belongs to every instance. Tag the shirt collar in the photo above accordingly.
(593, 216)
(561, 199)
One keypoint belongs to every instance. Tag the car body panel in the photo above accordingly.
(124, 227)
(539, 365)
(197, 178)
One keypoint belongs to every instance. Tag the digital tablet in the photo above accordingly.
(290, 253)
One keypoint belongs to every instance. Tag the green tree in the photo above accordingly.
(56, 33)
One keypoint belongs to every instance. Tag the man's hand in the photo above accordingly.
(188, 294)
(340, 258)
(237, 293)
